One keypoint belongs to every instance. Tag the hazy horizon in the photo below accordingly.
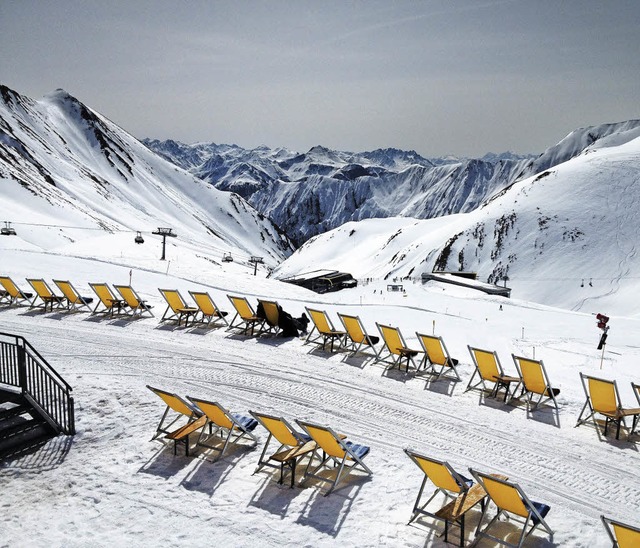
(439, 77)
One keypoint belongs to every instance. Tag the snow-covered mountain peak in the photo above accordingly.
(64, 165)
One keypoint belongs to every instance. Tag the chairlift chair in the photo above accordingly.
(7, 230)
(227, 258)
(139, 239)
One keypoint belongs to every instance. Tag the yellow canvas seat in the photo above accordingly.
(181, 409)
(603, 399)
(292, 445)
(437, 359)
(445, 479)
(177, 309)
(535, 382)
(227, 427)
(45, 294)
(397, 350)
(345, 456)
(208, 312)
(135, 305)
(109, 302)
(246, 317)
(488, 368)
(510, 499)
(357, 339)
(621, 534)
(72, 297)
(323, 330)
(272, 316)
(13, 294)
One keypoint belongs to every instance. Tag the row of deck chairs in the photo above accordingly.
(331, 458)
(218, 429)
(461, 494)
(126, 302)
(531, 378)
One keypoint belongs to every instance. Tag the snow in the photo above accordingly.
(110, 485)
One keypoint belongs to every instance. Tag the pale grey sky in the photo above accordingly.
(460, 77)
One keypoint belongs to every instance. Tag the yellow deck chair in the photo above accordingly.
(230, 428)
(603, 399)
(436, 356)
(337, 453)
(136, 306)
(208, 311)
(195, 420)
(247, 319)
(357, 338)
(292, 445)
(45, 294)
(73, 298)
(324, 330)
(488, 368)
(14, 295)
(397, 350)
(177, 309)
(509, 498)
(272, 314)
(445, 479)
(109, 302)
(535, 382)
(621, 534)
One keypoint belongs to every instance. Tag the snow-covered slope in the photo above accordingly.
(70, 176)
(565, 237)
(309, 193)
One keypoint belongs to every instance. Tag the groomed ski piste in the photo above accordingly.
(111, 485)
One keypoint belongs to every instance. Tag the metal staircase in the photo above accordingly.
(35, 401)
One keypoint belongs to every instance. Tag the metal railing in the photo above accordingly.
(22, 366)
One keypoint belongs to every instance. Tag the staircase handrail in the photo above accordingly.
(60, 416)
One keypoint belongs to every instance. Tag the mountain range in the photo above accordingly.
(309, 193)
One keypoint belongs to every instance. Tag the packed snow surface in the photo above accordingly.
(110, 485)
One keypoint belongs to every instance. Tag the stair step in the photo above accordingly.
(24, 436)
(15, 410)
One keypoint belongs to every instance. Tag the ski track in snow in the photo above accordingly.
(566, 467)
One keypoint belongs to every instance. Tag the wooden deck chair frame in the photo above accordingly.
(208, 311)
(272, 313)
(621, 534)
(14, 295)
(357, 338)
(45, 294)
(397, 350)
(177, 308)
(292, 445)
(324, 330)
(107, 299)
(182, 409)
(636, 420)
(71, 295)
(336, 453)
(246, 316)
(509, 498)
(486, 364)
(136, 306)
(535, 382)
(223, 423)
(603, 398)
(445, 479)
(437, 355)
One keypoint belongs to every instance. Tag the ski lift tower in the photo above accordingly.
(164, 232)
(256, 260)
